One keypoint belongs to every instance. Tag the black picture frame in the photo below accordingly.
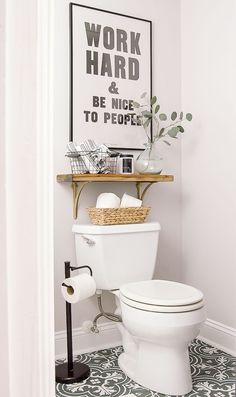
(71, 56)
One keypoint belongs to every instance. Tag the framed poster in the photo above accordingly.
(110, 66)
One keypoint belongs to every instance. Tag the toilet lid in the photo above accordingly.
(161, 309)
(161, 293)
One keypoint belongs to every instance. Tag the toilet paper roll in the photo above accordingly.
(78, 288)
(108, 200)
(130, 201)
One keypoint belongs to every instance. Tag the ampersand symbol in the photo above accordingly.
(113, 89)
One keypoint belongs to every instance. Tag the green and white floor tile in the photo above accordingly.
(213, 372)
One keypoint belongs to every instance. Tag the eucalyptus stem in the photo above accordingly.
(158, 127)
(172, 124)
(151, 116)
(145, 129)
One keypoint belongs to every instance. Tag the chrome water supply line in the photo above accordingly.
(109, 316)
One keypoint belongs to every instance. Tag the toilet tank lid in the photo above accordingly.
(115, 229)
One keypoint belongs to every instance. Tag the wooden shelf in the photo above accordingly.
(114, 178)
(78, 181)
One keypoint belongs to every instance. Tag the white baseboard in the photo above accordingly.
(213, 332)
(85, 341)
(219, 335)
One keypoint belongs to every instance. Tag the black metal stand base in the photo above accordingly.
(79, 373)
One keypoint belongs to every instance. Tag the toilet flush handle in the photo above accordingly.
(88, 241)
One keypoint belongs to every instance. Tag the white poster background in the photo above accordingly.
(85, 86)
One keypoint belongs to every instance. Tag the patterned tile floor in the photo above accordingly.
(213, 372)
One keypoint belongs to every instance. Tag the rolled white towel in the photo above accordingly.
(130, 201)
(108, 200)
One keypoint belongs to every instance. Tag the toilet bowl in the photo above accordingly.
(160, 319)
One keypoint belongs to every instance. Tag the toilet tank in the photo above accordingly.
(117, 254)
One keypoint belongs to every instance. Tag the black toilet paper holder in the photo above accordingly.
(76, 268)
(71, 372)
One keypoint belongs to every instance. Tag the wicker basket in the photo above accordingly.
(118, 216)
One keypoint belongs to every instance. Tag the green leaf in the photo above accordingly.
(181, 129)
(189, 116)
(173, 116)
(173, 132)
(181, 115)
(136, 105)
(166, 142)
(157, 108)
(146, 113)
(163, 116)
(153, 100)
(162, 131)
(143, 94)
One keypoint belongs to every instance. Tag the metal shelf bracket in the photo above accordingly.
(77, 190)
(141, 193)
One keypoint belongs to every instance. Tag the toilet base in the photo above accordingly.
(164, 370)
(127, 365)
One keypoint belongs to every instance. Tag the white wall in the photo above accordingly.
(4, 342)
(164, 198)
(208, 32)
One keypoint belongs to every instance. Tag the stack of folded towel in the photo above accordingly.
(92, 158)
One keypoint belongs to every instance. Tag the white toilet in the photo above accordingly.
(159, 318)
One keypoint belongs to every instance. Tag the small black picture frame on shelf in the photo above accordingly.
(110, 66)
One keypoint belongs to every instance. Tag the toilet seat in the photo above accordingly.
(161, 309)
(161, 296)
